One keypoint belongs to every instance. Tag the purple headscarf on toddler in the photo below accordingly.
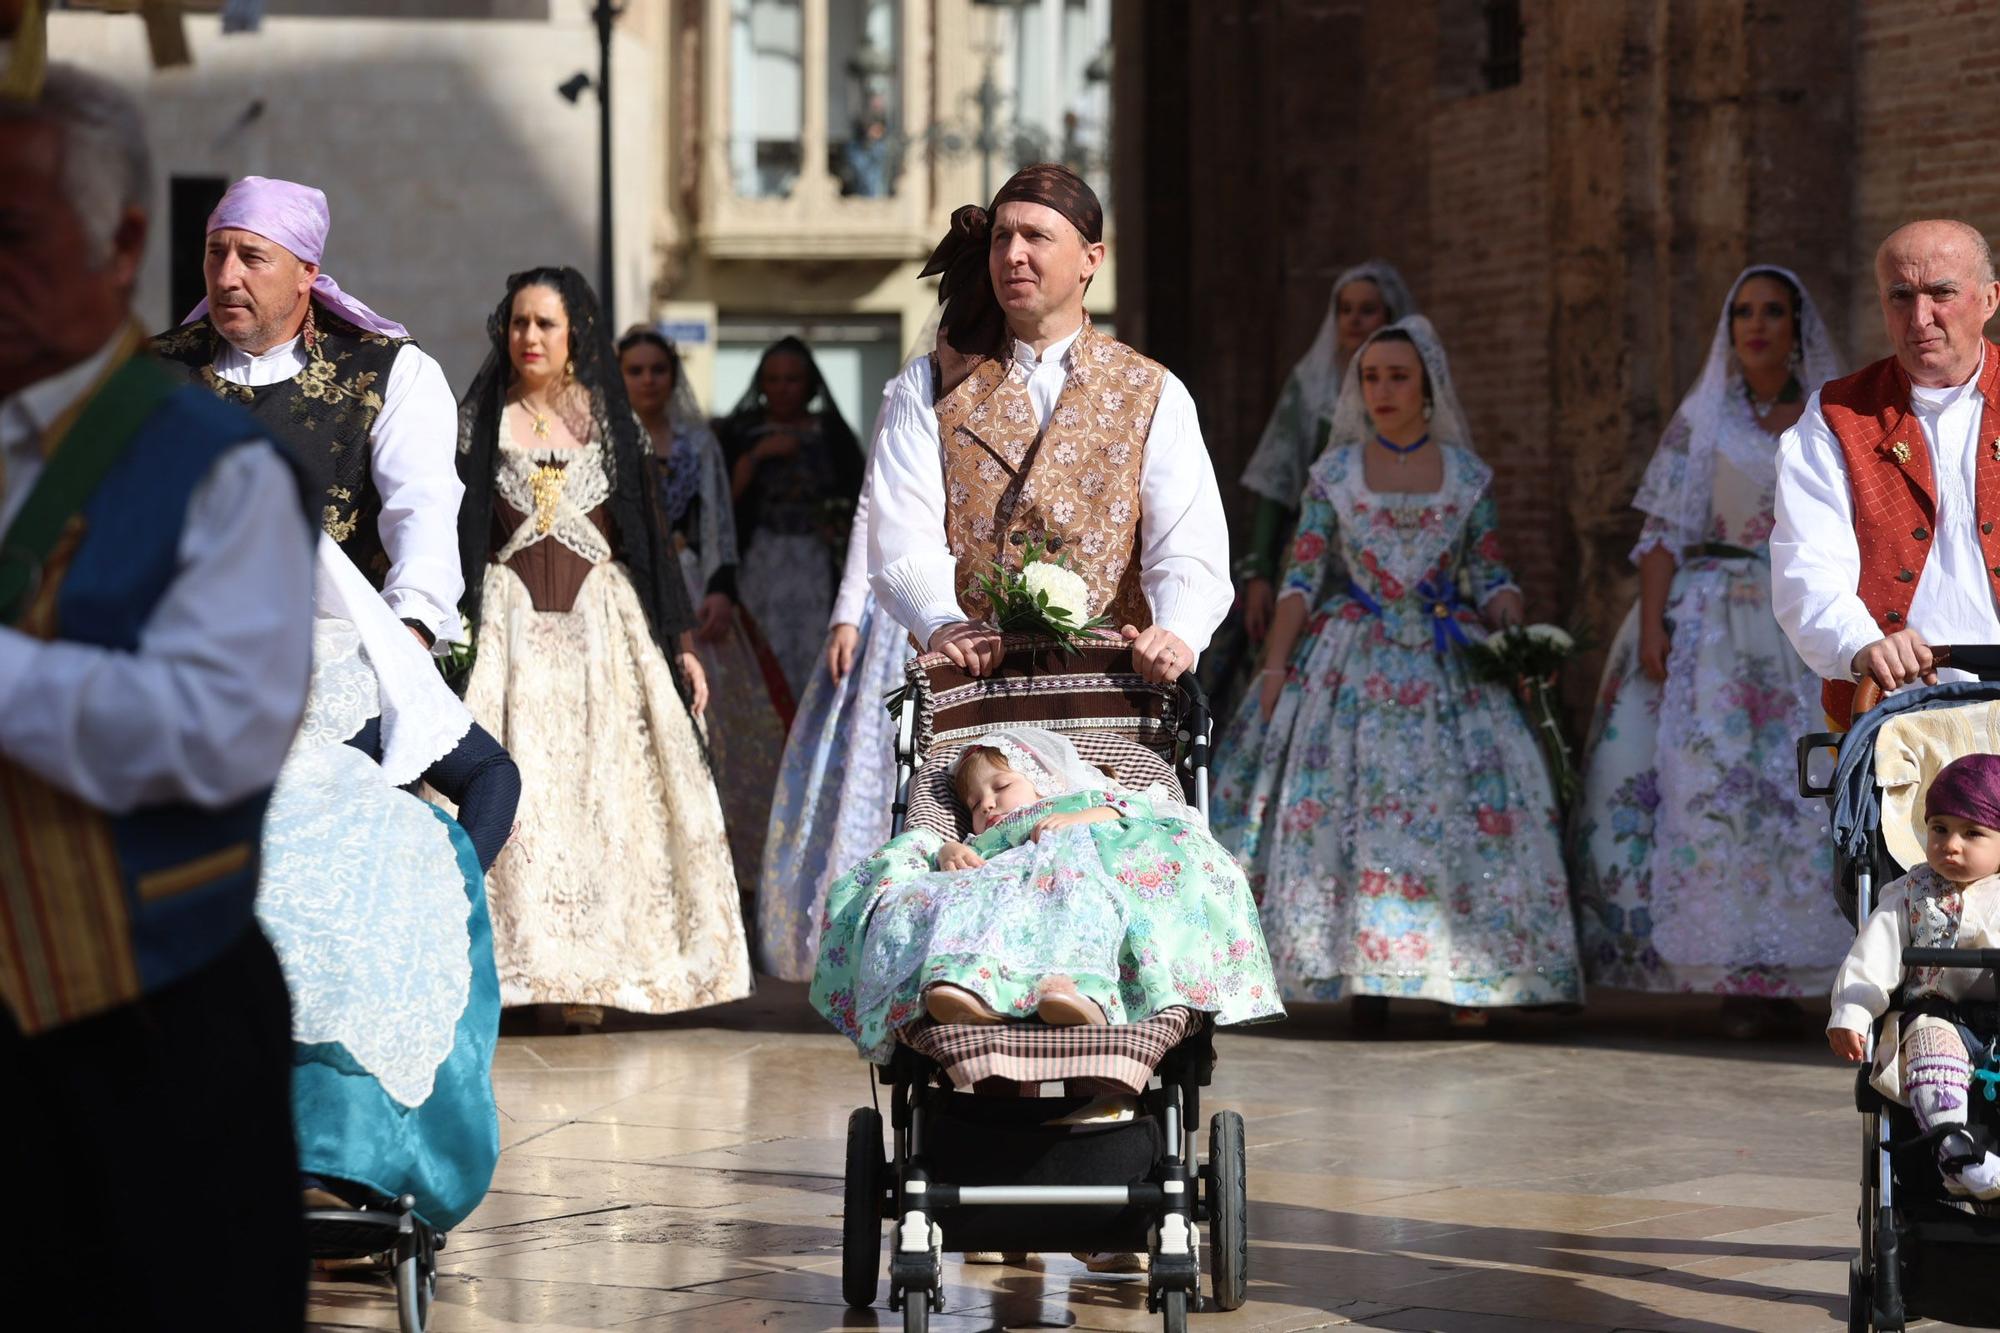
(1969, 788)
(295, 216)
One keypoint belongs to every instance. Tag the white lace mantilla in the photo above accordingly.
(364, 901)
(556, 488)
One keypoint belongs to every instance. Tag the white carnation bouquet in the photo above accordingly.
(1529, 659)
(1045, 598)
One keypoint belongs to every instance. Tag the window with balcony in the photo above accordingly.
(1045, 95)
(864, 96)
(767, 96)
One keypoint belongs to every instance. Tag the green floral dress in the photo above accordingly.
(1145, 912)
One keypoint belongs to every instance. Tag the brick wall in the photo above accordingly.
(1486, 288)
(1927, 101)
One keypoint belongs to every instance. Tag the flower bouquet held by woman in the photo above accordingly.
(1529, 660)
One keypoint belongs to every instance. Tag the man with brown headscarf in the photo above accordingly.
(1029, 425)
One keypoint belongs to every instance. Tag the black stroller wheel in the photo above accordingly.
(1174, 1311)
(916, 1311)
(1859, 1298)
(416, 1279)
(861, 1210)
(1885, 1285)
(1228, 1209)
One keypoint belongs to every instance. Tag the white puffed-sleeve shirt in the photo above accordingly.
(1183, 536)
(204, 710)
(414, 447)
(1816, 558)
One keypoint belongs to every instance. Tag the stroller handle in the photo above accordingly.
(1981, 659)
(1983, 958)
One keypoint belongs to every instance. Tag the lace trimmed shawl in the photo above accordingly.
(1676, 491)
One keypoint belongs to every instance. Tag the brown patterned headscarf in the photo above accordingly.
(973, 323)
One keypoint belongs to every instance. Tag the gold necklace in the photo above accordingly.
(538, 421)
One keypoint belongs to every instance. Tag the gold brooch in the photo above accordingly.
(1996, 448)
(1901, 451)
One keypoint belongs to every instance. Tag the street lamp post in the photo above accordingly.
(604, 14)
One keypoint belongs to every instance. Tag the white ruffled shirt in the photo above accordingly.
(1183, 536)
(204, 710)
(414, 447)
(1816, 557)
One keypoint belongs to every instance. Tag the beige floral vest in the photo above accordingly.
(1074, 485)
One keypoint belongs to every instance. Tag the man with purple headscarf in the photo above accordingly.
(367, 413)
(1031, 430)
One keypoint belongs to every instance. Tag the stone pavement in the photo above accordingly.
(1627, 1168)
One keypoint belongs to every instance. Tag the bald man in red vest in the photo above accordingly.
(1888, 493)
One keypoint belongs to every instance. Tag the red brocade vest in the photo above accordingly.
(1890, 475)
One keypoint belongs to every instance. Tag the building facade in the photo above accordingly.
(779, 166)
(1569, 187)
(817, 148)
(449, 156)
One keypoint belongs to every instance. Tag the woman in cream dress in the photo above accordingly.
(617, 890)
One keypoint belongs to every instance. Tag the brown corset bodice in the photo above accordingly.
(552, 573)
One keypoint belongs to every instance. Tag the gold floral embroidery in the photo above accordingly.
(546, 483)
(348, 397)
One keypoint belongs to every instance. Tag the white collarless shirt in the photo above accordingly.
(203, 711)
(413, 456)
(1816, 558)
(1183, 536)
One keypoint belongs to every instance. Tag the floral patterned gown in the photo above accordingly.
(1395, 815)
(1145, 913)
(1699, 867)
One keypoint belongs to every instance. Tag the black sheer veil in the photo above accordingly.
(736, 431)
(635, 517)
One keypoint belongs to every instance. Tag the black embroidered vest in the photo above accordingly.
(323, 414)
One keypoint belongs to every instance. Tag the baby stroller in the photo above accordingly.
(396, 1238)
(1923, 1254)
(970, 1172)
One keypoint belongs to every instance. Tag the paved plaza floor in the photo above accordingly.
(1626, 1168)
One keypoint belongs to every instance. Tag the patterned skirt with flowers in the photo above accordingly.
(1143, 913)
(1397, 821)
(1699, 867)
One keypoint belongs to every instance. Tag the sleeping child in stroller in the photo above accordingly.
(1928, 1057)
(1076, 901)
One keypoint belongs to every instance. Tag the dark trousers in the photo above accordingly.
(150, 1148)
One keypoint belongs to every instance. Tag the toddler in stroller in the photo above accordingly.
(1926, 1058)
(1123, 904)
(1076, 899)
(1917, 786)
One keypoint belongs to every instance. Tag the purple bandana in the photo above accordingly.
(1968, 787)
(296, 217)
